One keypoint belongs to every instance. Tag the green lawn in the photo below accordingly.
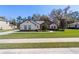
(58, 34)
(39, 45)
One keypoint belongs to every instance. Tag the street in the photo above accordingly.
(41, 51)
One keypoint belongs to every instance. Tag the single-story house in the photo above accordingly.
(5, 25)
(30, 25)
(13, 26)
(53, 26)
(74, 25)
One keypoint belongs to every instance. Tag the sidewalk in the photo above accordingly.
(38, 40)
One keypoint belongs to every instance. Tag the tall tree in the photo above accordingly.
(13, 21)
(75, 15)
(46, 21)
(29, 18)
(56, 16)
(66, 9)
(24, 19)
(36, 17)
(60, 16)
(19, 21)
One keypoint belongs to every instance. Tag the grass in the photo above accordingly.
(39, 45)
(58, 34)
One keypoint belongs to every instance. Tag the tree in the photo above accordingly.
(60, 16)
(66, 9)
(56, 16)
(62, 24)
(29, 18)
(13, 22)
(36, 17)
(24, 19)
(75, 15)
(46, 22)
(19, 21)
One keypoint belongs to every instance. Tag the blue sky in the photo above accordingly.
(12, 11)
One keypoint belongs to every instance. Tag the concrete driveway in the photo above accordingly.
(41, 51)
(7, 32)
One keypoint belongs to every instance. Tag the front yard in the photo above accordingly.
(57, 34)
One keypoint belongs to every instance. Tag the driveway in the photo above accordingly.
(41, 51)
(38, 40)
(7, 32)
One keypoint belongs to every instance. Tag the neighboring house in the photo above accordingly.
(4, 25)
(53, 26)
(74, 25)
(31, 25)
(13, 26)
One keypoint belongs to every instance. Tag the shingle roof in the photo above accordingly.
(34, 22)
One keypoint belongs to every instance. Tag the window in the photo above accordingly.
(29, 27)
(37, 26)
(6, 22)
(25, 27)
(52, 27)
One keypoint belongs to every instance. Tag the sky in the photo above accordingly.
(12, 11)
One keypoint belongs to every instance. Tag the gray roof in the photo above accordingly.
(34, 22)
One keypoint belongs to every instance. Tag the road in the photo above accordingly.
(38, 40)
(41, 51)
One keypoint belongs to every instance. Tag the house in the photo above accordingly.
(53, 26)
(30, 25)
(5, 25)
(13, 26)
(74, 25)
